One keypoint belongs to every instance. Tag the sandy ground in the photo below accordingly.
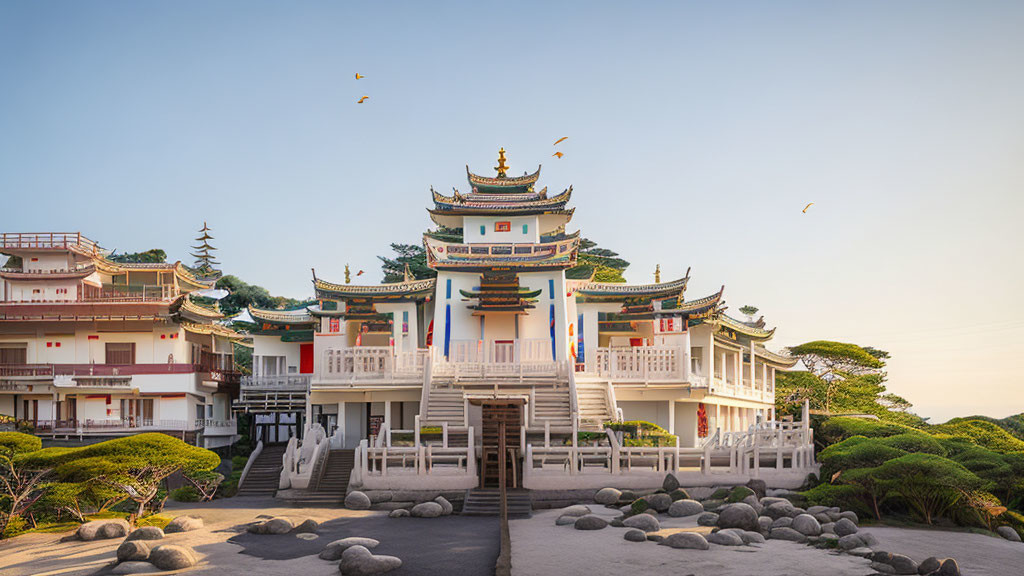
(541, 548)
(423, 544)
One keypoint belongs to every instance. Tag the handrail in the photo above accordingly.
(248, 463)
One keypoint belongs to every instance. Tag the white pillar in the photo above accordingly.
(387, 413)
(672, 417)
(341, 423)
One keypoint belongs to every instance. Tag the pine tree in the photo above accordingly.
(205, 264)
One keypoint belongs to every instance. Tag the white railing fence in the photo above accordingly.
(371, 363)
(643, 363)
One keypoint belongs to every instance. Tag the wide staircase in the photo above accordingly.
(445, 405)
(487, 502)
(552, 405)
(592, 402)
(332, 485)
(265, 473)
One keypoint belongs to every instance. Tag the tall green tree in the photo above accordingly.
(242, 294)
(152, 256)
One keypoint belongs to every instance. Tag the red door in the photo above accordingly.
(306, 358)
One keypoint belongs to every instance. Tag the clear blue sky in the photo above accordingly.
(697, 133)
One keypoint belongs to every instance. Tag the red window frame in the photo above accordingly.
(502, 226)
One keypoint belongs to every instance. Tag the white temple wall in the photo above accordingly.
(472, 230)
(272, 346)
(591, 329)
(46, 261)
(404, 330)
(69, 344)
(50, 290)
(686, 423)
(654, 412)
(7, 404)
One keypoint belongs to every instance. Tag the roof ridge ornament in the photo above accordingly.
(502, 168)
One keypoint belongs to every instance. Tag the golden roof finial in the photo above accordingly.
(657, 273)
(348, 275)
(502, 168)
(407, 274)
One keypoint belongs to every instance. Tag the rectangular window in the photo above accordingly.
(502, 226)
(335, 325)
(483, 230)
(120, 352)
(526, 228)
(448, 289)
(9, 356)
(551, 288)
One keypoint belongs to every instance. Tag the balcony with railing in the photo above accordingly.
(49, 241)
(365, 364)
(117, 426)
(276, 382)
(524, 358)
(641, 364)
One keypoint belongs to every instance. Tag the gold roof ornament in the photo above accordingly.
(657, 273)
(502, 168)
(348, 275)
(407, 274)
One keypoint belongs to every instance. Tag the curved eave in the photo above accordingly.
(413, 289)
(513, 182)
(111, 267)
(295, 317)
(476, 203)
(775, 359)
(745, 329)
(214, 329)
(613, 291)
(190, 309)
(188, 279)
(562, 255)
(698, 308)
(69, 275)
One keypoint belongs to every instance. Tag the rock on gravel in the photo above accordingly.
(681, 508)
(132, 550)
(446, 506)
(358, 561)
(172, 557)
(927, 566)
(635, 535)
(670, 482)
(590, 522)
(101, 529)
(660, 502)
(644, 522)
(738, 515)
(784, 522)
(764, 524)
(903, 564)
(399, 513)
(707, 519)
(747, 536)
(806, 525)
(183, 524)
(576, 511)
(427, 510)
(725, 538)
(1008, 533)
(357, 500)
(850, 541)
(844, 526)
(689, 540)
(780, 510)
(309, 526)
(607, 496)
(334, 550)
(787, 534)
(278, 525)
(146, 533)
(850, 515)
(948, 567)
(564, 520)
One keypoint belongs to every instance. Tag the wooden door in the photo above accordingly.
(495, 413)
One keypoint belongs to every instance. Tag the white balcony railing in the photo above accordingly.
(643, 363)
(371, 363)
(276, 382)
(476, 359)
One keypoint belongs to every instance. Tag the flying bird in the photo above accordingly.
(559, 154)
(359, 76)
(360, 273)
(808, 206)
(562, 139)
(363, 99)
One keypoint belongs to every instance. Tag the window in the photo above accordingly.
(120, 352)
(9, 356)
(483, 230)
(526, 228)
(335, 325)
(502, 226)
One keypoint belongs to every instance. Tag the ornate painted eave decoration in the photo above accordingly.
(214, 329)
(546, 256)
(186, 279)
(733, 327)
(774, 358)
(520, 203)
(190, 310)
(10, 274)
(298, 316)
(699, 308)
(617, 292)
(525, 181)
(415, 289)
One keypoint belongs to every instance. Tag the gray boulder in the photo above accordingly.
(738, 515)
(356, 500)
(817, 510)
(576, 511)
(278, 525)
(655, 537)
(183, 524)
(308, 526)
(764, 524)
(752, 537)
(134, 567)
(132, 551)
(707, 519)
(780, 510)
(903, 564)
(607, 496)
(564, 520)
(427, 510)
(712, 505)
(681, 508)
(635, 535)
(948, 567)
(446, 506)
(399, 513)
(670, 482)
(881, 568)
(760, 487)
(787, 534)
(769, 500)
(590, 522)
(850, 515)
(644, 522)
(146, 533)
(687, 540)
(334, 550)
(754, 503)
(828, 528)
(806, 525)
(863, 552)
(172, 557)
(844, 527)
(822, 517)
(725, 538)
(784, 522)
(850, 541)
(1008, 533)
(660, 502)
(868, 539)
(358, 561)
(102, 529)
(929, 565)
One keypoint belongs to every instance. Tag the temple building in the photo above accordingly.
(90, 347)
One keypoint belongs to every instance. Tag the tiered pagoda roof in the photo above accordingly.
(559, 254)
(619, 291)
(396, 291)
(271, 319)
(734, 328)
(189, 310)
(499, 291)
(774, 358)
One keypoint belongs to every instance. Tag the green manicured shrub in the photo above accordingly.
(239, 462)
(914, 442)
(856, 452)
(840, 428)
(982, 433)
(18, 443)
(929, 484)
(845, 496)
(185, 494)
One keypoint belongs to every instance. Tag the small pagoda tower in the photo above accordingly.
(205, 264)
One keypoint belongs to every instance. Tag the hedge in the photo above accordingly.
(18, 443)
